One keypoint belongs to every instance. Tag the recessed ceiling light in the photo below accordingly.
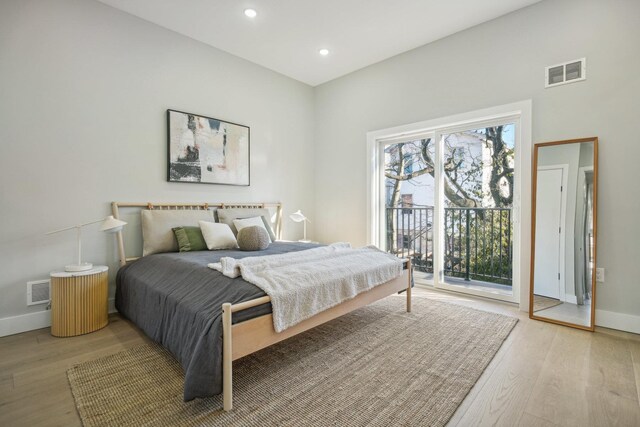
(251, 13)
(324, 52)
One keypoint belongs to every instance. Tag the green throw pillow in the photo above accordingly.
(189, 239)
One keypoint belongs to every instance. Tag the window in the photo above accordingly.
(407, 203)
(406, 241)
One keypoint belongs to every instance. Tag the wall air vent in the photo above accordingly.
(38, 292)
(567, 72)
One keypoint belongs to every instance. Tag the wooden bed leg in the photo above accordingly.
(227, 362)
(410, 275)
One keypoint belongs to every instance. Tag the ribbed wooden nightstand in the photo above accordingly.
(79, 302)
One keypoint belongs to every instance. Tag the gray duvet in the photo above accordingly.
(177, 301)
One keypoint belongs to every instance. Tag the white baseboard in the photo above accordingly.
(620, 321)
(31, 321)
(25, 322)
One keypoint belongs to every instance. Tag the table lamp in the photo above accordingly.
(109, 225)
(299, 217)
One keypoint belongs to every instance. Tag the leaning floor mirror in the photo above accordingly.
(563, 240)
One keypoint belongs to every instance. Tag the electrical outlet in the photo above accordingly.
(600, 275)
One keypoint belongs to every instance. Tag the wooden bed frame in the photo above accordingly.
(247, 337)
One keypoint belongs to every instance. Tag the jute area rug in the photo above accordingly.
(377, 366)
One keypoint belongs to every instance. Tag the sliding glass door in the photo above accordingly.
(409, 200)
(478, 171)
(448, 205)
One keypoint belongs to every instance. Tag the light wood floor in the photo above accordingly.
(544, 375)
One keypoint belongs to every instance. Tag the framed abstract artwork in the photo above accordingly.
(207, 150)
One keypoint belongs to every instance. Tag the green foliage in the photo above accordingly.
(484, 243)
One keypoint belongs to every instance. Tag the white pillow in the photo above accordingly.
(218, 236)
(249, 222)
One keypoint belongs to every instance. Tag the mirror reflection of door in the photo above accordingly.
(549, 233)
(564, 237)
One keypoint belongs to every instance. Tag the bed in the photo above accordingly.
(207, 320)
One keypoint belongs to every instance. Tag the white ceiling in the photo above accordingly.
(287, 34)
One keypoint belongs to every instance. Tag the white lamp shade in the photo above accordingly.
(112, 225)
(298, 216)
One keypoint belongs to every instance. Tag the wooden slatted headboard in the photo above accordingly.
(116, 206)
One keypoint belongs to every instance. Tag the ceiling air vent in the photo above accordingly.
(38, 292)
(567, 72)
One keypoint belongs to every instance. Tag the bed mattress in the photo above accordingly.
(177, 301)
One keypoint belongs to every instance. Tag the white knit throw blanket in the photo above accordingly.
(302, 284)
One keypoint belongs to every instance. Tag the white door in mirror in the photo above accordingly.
(547, 279)
(600, 275)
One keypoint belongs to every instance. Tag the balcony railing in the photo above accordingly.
(477, 241)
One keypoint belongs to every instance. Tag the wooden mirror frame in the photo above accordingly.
(537, 146)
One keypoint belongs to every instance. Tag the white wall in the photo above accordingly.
(83, 94)
(496, 63)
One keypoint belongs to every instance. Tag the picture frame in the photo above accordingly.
(206, 150)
